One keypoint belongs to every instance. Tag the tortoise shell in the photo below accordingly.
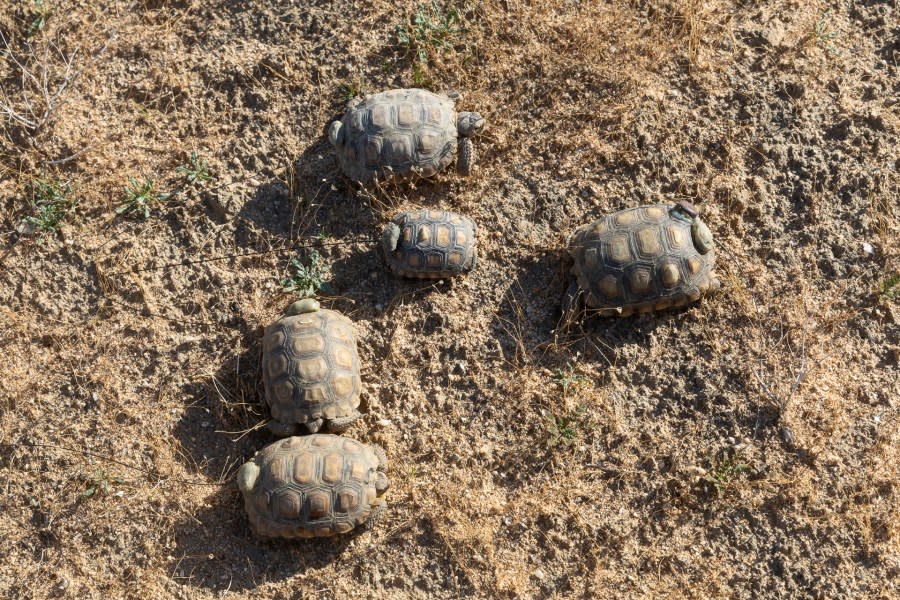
(395, 134)
(644, 259)
(429, 244)
(313, 486)
(311, 369)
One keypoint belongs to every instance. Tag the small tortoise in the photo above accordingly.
(313, 486)
(311, 370)
(398, 133)
(642, 259)
(429, 244)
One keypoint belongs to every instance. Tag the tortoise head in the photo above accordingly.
(703, 239)
(247, 476)
(700, 233)
(469, 123)
(382, 483)
(390, 237)
(336, 133)
(307, 305)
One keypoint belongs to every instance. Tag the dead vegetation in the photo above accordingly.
(744, 446)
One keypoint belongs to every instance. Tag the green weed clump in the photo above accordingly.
(823, 34)
(140, 197)
(51, 203)
(433, 30)
(723, 474)
(99, 482)
(563, 430)
(889, 287)
(197, 171)
(307, 280)
(42, 11)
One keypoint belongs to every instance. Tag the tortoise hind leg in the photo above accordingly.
(342, 424)
(281, 429)
(467, 157)
(379, 506)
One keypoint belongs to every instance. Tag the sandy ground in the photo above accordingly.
(745, 447)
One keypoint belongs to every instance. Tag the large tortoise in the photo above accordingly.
(313, 486)
(429, 244)
(642, 259)
(405, 132)
(311, 370)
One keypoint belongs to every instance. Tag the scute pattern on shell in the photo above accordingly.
(639, 260)
(311, 367)
(432, 244)
(312, 486)
(396, 133)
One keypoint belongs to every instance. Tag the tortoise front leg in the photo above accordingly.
(467, 156)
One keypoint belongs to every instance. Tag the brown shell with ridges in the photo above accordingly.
(311, 367)
(641, 260)
(398, 133)
(312, 486)
(430, 244)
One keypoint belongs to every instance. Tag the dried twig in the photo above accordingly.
(40, 91)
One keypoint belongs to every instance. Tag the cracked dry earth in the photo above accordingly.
(744, 447)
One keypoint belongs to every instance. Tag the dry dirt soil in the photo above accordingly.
(745, 447)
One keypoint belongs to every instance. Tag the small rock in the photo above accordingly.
(25, 228)
(787, 436)
(539, 574)
(868, 248)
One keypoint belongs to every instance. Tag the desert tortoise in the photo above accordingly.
(642, 259)
(429, 244)
(311, 370)
(398, 133)
(313, 486)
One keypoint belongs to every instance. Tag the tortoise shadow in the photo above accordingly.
(267, 213)
(218, 551)
(532, 328)
(221, 422)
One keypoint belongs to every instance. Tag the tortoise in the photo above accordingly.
(428, 244)
(400, 133)
(311, 370)
(313, 486)
(641, 259)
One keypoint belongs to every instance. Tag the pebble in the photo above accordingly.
(787, 436)
(25, 228)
